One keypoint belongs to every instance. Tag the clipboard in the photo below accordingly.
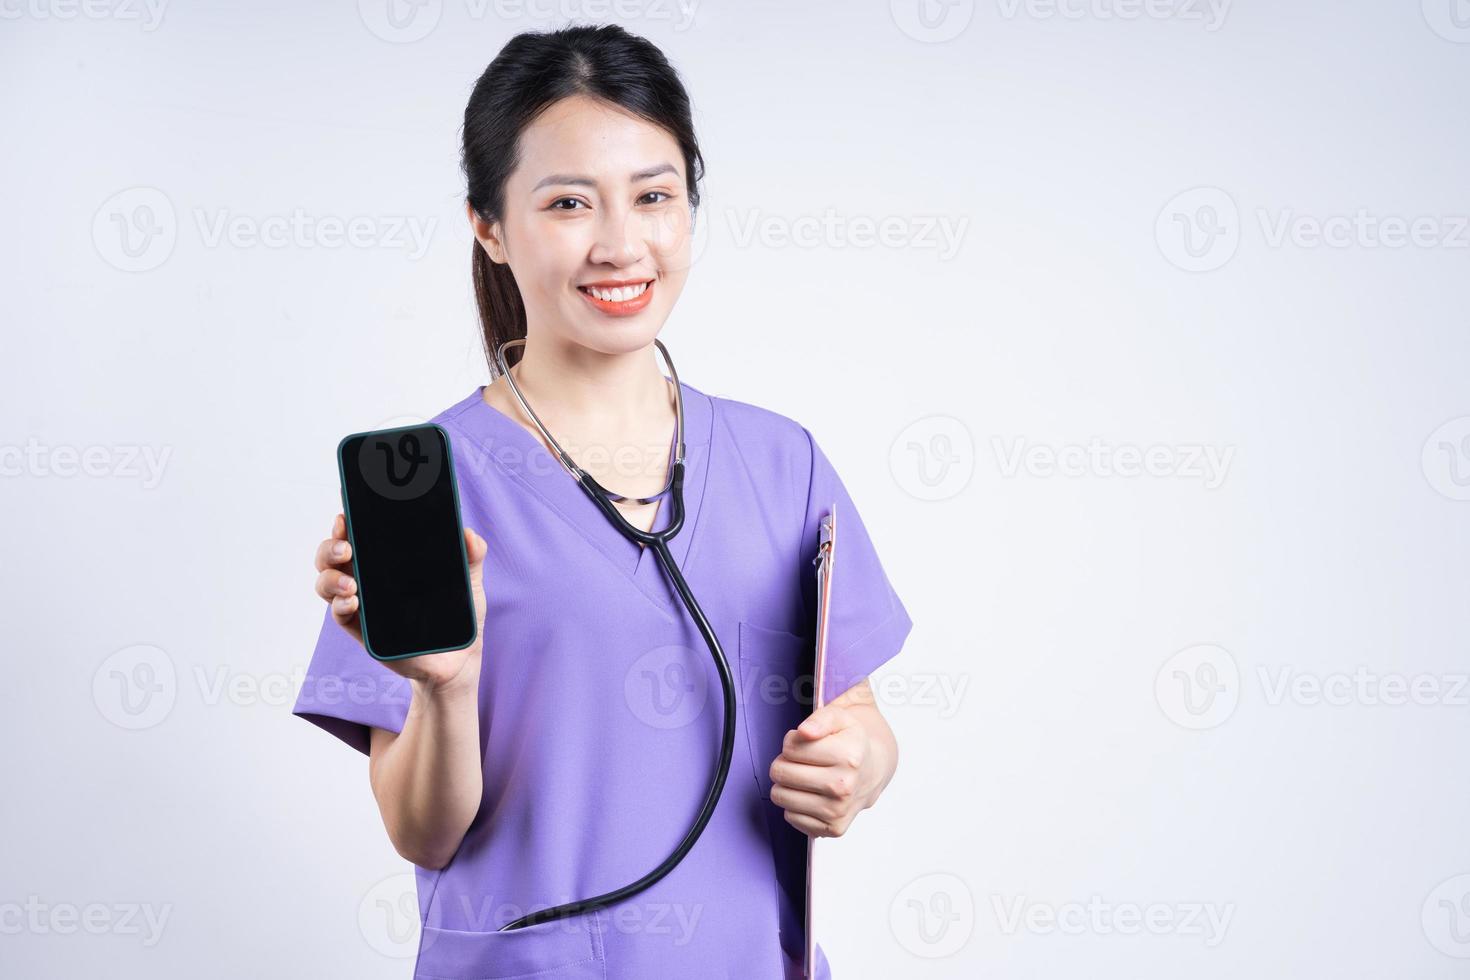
(826, 550)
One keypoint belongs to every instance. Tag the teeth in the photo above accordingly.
(620, 295)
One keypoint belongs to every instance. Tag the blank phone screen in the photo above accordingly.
(407, 541)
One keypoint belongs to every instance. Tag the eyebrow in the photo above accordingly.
(579, 180)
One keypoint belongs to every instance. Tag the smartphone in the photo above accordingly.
(401, 502)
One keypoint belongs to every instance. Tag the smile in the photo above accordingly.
(619, 300)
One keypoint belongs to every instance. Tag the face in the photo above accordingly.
(597, 200)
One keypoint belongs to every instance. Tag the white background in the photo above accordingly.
(1118, 735)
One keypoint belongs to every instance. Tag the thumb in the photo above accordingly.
(475, 547)
(815, 725)
(475, 551)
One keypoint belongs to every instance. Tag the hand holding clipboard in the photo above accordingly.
(826, 543)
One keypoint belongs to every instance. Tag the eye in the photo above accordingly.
(665, 196)
(561, 200)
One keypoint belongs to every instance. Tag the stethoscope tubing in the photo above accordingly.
(659, 542)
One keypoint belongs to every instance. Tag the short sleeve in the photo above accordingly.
(867, 623)
(346, 691)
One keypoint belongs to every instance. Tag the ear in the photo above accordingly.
(487, 234)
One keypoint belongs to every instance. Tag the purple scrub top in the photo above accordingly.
(600, 707)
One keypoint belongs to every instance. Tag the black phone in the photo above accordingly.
(401, 501)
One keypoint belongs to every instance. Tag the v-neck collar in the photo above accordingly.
(526, 459)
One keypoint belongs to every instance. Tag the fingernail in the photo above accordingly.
(343, 583)
(339, 549)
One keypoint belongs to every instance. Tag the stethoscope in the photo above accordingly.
(659, 542)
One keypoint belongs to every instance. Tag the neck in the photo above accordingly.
(585, 387)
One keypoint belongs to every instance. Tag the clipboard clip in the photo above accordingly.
(824, 544)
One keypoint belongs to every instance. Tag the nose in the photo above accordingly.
(619, 240)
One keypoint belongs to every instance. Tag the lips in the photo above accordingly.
(618, 299)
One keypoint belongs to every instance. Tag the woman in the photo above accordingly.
(569, 750)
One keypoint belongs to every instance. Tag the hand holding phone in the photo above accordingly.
(335, 584)
(403, 575)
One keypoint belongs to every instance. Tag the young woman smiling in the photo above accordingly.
(568, 751)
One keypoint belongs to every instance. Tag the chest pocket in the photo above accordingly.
(775, 692)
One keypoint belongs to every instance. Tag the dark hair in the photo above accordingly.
(534, 70)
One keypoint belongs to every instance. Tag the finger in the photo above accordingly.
(332, 552)
(344, 608)
(836, 780)
(808, 825)
(795, 775)
(812, 805)
(842, 748)
(331, 583)
(826, 720)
